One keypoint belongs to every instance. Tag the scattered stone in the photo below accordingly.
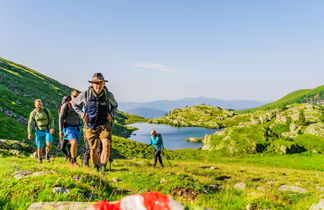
(216, 186)
(59, 205)
(33, 155)
(292, 188)
(21, 174)
(319, 188)
(115, 180)
(204, 191)
(319, 206)
(163, 180)
(60, 190)
(240, 186)
(90, 195)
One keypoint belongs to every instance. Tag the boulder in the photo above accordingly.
(292, 189)
(240, 186)
(315, 129)
(319, 206)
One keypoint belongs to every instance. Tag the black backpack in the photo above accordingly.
(65, 99)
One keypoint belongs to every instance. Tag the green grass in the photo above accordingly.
(190, 182)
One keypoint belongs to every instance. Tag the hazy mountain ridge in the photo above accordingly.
(166, 105)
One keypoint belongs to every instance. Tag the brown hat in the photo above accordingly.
(97, 77)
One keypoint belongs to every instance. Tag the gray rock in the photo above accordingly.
(163, 180)
(66, 205)
(319, 206)
(21, 174)
(60, 190)
(292, 189)
(240, 186)
(115, 180)
(90, 195)
(319, 188)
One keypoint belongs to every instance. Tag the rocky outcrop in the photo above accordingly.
(271, 131)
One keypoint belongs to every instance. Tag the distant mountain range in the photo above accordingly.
(159, 108)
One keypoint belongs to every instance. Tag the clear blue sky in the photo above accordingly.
(170, 49)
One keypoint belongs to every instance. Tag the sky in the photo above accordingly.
(170, 49)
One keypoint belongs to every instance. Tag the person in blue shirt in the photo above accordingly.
(157, 142)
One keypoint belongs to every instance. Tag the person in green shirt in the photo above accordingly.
(43, 122)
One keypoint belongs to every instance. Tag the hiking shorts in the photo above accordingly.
(95, 135)
(41, 137)
(71, 133)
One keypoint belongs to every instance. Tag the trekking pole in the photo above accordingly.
(166, 157)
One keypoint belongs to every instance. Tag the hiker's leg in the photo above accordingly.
(155, 157)
(40, 152)
(86, 154)
(49, 141)
(94, 156)
(63, 149)
(99, 151)
(105, 150)
(48, 147)
(74, 148)
(160, 158)
(40, 143)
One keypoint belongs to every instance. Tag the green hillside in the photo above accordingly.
(315, 95)
(201, 116)
(20, 86)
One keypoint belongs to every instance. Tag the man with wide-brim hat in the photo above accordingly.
(99, 107)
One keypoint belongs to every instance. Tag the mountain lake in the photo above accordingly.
(173, 137)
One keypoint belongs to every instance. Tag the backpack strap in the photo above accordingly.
(47, 115)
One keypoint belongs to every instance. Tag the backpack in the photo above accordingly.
(106, 92)
(65, 99)
(34, 115)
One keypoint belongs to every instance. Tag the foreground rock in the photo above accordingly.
(319, 206)
(59, 205)
(292, 189)
(143, 201)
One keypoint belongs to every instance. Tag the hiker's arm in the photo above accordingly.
(30, 125)
(78, 102)
(149, 143)
(51, 119)
(62, 116)
(113, 104)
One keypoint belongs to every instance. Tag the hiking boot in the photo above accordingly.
(48, 157)
(68, 158)
(74, 162)
(97, 167)
(103, 168)
(85, 163)
(40, 160)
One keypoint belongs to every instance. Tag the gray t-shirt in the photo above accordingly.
(68, 117)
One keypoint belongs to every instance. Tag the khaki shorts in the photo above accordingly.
(93, 136)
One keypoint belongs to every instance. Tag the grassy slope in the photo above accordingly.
(192, 183)
(20, 86)
(298, 96)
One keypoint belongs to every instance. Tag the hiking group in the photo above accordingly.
(96, 108)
